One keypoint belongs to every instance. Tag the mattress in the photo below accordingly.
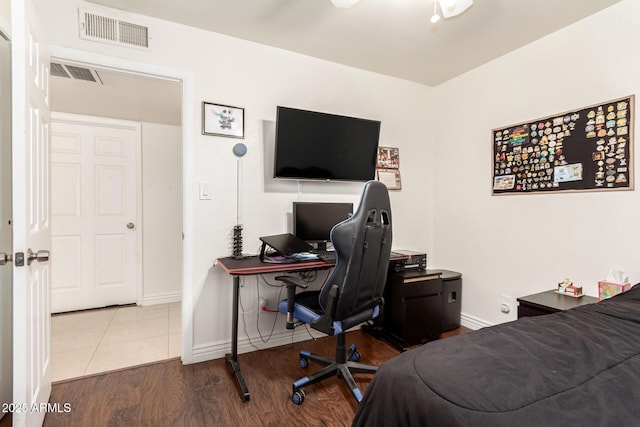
(576, 367)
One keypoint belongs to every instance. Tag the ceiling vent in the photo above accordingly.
(74, 72)
(106, 29)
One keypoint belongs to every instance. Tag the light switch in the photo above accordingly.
(205, 190)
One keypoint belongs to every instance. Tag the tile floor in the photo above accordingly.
(93, 341)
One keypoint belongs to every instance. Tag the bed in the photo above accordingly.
(579, 367)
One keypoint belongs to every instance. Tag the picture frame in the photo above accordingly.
(388, 158)
(390, 178)
(222, 120)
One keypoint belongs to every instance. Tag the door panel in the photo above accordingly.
(31, 226)
(6, 383)
(95, 172)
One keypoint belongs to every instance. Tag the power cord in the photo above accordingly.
(244, 320)
(304, 276)
(275, 319)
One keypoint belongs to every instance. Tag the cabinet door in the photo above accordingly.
(422, 319)
(413, 308)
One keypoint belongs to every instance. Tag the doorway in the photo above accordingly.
(105, 96)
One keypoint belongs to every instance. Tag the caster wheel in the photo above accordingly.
(298, 397)
(304, 362)
(355, 356)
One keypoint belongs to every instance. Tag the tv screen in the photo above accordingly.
(314, 145)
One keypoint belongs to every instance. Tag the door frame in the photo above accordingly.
(91, 59)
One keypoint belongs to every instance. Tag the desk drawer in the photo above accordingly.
(417, 287)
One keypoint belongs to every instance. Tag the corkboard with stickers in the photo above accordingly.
(590, 149)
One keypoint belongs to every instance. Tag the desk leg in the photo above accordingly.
(232, 358)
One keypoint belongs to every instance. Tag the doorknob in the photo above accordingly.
(40, 256)
(130, 226)
(5, 258)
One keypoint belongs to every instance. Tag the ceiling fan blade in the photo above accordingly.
(454, 7)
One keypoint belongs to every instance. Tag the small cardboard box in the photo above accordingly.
(609, 289)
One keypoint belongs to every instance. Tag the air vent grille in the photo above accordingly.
(58, 70)
(81, 73)
(100, 27)
(111, 30)
(74, 72)
(134, 34)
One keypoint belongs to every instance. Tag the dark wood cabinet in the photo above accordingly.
(549, 302)
(413, 311)
(419, 305)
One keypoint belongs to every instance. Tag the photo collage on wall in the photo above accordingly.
(587, 149)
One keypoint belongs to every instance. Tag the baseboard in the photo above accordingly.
(472, 322)
(162, 298)
(216, 350)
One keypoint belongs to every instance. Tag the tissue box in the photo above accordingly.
(609, 289)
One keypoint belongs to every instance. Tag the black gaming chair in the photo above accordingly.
(353, 292)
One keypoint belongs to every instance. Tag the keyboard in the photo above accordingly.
(327, 256)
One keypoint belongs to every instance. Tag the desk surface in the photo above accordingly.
(252, 265)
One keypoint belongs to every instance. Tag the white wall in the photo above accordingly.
(259, 78)
(521, 244)
(161, 215)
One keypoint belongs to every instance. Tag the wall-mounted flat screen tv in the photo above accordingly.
(320, 146)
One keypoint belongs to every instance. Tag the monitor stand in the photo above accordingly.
(321, 246)
(275, 259)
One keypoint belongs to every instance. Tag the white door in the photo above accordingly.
(6, 383)
(30, 144)
(94, 214)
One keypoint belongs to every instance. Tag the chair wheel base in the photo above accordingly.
(298, 397)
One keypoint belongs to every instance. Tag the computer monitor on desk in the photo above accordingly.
(313, 221)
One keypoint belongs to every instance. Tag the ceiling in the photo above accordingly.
(118, 95)
(392, 37)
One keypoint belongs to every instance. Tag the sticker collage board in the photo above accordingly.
(590, 149)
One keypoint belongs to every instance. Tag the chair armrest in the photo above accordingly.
(292, 281)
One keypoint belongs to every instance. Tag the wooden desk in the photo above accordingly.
(252, 265)
(246, 267)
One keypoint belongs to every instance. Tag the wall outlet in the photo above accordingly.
(262, 303)
(506, 304)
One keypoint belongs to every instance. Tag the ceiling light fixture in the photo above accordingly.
(344, 4)
(449, 8)
(435, 18)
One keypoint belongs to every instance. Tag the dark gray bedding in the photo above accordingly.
(580, 367)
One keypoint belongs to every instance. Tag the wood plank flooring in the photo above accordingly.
(205, 394)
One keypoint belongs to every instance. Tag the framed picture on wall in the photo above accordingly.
(390, 178)
(222, 120)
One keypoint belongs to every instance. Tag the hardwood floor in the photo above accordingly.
(205, 394)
